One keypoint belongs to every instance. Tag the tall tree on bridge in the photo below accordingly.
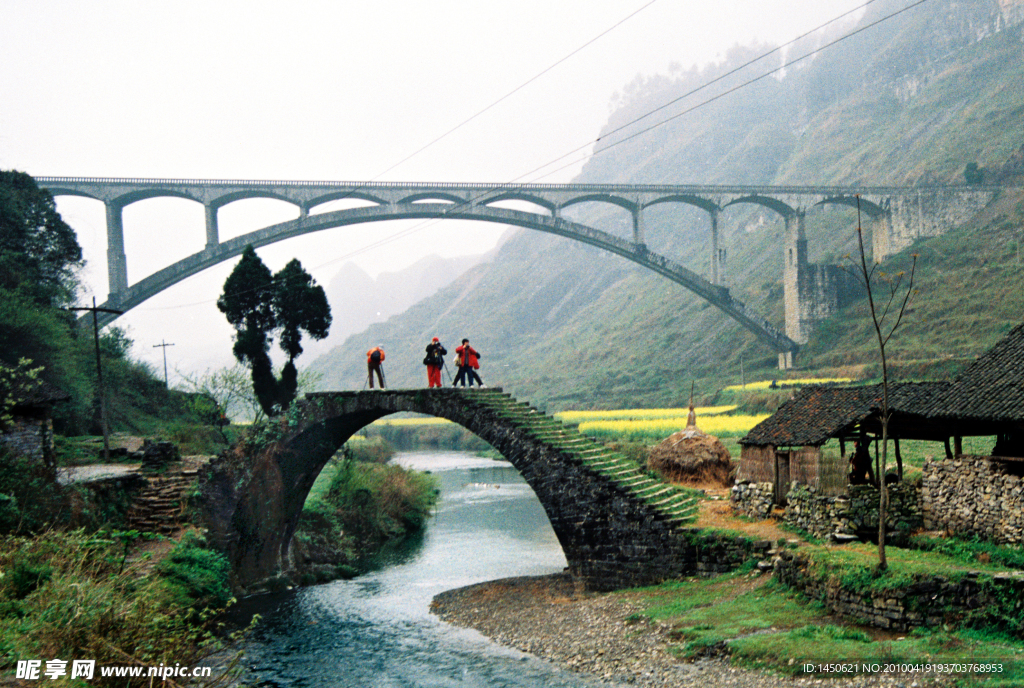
(257, 305)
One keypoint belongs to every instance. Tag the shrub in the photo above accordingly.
(377, 502)
(30, 500)
(71, 595)
(196, 576)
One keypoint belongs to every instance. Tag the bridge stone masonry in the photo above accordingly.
(617, 526)
(897, 215)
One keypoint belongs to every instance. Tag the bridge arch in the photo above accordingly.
(638, 253)
(613, 199)
(782, 208)
(616, 525)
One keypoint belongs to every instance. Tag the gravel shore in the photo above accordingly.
(552, 618)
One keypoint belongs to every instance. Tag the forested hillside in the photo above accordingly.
(913, 99)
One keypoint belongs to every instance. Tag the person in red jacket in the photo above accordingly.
(469, 362)
(434, 360)
(374, 357)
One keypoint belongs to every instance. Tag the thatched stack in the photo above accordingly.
(693, 458)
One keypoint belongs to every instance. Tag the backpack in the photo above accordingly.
(375, 356)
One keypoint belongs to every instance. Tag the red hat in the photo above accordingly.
(436, 339)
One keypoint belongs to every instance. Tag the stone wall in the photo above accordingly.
(32, 438)
(929, 601)
(845, 517)
(854, 515)
(752, 499)
(973, 495)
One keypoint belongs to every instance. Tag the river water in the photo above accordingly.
(376, 631)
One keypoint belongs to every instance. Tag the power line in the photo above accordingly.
(717, 96)
(430, 222)
(518, 88)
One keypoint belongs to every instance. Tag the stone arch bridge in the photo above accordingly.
(898, 215)
(617, 526)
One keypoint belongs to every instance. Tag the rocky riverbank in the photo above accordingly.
(554, 619)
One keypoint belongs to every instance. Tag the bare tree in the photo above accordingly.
(886, 317)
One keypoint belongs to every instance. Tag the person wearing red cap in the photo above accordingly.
(434, 360)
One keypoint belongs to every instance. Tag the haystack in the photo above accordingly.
(692, 457)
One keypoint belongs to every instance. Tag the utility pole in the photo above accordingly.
(163, 345)
(99, 371)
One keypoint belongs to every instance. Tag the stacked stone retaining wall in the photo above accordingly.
(929, 601)
(854, 514)
(752, 499)
(973, 495)
(846, 517)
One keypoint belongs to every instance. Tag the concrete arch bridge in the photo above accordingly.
(898, 215)
(617, 526)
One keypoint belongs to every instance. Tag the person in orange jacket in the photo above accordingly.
(374, 357)
(434, 360)
(469, 362)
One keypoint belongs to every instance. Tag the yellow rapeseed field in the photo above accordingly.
(765, 384)
(411, 421)
(636, 425)
(574, 417)
(660, 428)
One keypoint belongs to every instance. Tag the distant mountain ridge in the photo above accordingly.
(566, 325)
(358, 300)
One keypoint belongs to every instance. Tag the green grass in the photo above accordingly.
(764, 625)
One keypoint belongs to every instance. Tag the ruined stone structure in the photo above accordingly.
(898, 215)
(617, 526)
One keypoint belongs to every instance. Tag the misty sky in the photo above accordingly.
(326, 90)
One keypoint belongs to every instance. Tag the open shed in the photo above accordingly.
(987, 398)
(788, 445)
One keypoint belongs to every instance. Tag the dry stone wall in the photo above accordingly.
(846, 517)
(973, 495)
(752, 499)
(854, 515)
(929, 601)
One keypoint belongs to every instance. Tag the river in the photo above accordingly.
(376, 630)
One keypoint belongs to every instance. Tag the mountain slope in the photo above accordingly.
(566, 325)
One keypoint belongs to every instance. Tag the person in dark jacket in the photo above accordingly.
(434, 360)
(469, 362)
(374, 357)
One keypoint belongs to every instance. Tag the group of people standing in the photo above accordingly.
(467, 362)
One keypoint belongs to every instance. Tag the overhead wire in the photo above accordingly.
(433, 221)
(428, 223)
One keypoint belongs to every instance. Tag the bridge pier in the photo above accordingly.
(638, 226)
(718, 254)
(117, 262)
(212, 231)
(793, 276)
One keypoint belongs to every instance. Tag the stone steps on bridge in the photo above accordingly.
(672, 503)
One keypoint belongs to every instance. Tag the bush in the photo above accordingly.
(377, 502)
(30, 499)
(71, 595)
(197, 577)
(370, 450)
